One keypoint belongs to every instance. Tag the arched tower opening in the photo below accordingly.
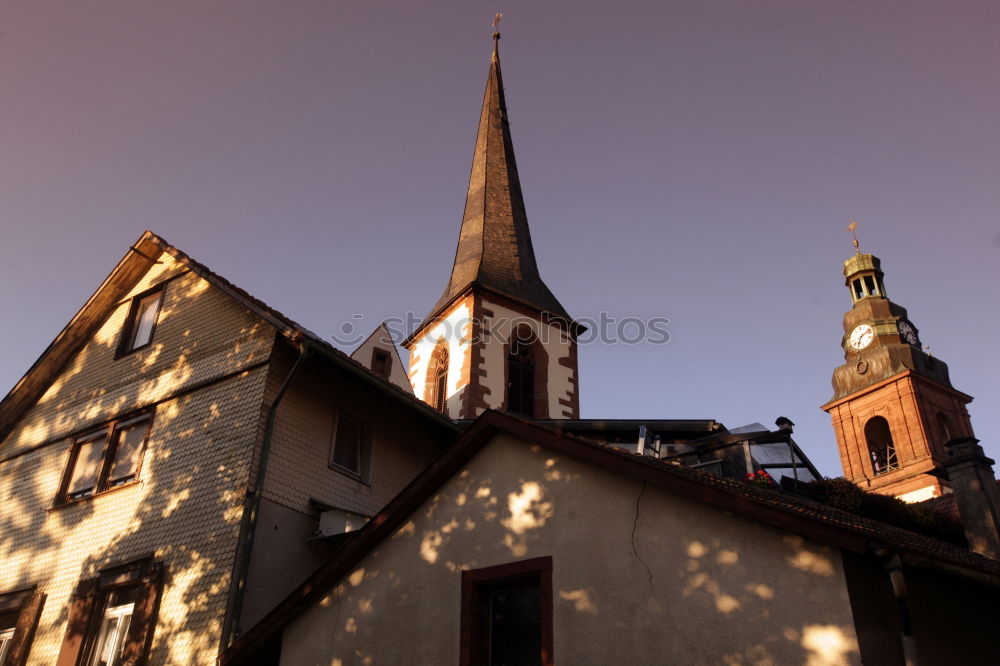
(527, 374)
(880, 446)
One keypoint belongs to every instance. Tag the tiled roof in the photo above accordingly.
(291, 329)
(115, 287)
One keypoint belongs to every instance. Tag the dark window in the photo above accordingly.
(105, 458)
(381, 362)
(440, 386)
(112, 616)
(19, 612)
(870, 285)
(521, 379)
(858, 290)
(880, 446)
(141, 322)
(507, 615)
(351, 444)
(945, 427)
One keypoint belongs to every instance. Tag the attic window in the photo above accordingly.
(381, 362)
(105, 459)
(351, 446)
(141, 322)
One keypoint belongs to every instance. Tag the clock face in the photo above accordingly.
(908, 332)
(861, 336)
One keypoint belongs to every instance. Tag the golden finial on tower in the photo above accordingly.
(496, 35)
(851, 227)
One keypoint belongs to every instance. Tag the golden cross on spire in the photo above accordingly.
(851, 227)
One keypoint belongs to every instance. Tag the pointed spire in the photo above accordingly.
(494, 246)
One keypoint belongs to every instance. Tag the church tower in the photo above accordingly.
(893, 406)
(497, 338)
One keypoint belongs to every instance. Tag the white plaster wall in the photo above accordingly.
(555, 341)
(661, 579)
(455, 327)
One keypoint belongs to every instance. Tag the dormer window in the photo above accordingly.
(141, 322)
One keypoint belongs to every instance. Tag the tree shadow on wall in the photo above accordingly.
(204, 375)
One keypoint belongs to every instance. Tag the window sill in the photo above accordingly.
(134, 350)
(103, 493)
(349, 473)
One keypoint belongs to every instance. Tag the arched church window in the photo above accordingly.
(441, 380)
(880, 446)
(521, 375)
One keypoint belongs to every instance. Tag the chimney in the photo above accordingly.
(970, 474)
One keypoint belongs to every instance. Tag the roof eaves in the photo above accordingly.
(297, 334)
(93, 312)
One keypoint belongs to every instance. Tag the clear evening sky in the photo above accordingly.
(697, 160)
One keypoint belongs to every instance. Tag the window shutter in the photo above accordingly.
(140, 630)
(87, 466)
(80, 609)
(24, 630)
(128, 451)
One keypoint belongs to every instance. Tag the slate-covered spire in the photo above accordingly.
(494, 247)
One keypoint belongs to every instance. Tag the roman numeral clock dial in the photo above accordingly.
(861, 336)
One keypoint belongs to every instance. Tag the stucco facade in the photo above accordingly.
(639, 576)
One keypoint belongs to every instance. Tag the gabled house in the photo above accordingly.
(528, 545)
(166, 460)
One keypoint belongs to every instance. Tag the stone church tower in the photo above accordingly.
(497, 338)
(893, 406)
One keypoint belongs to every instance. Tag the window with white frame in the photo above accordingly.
(110, 643)
(6, 636)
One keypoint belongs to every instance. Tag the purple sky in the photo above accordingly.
(697, 160)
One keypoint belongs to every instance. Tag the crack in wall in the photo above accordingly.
(635, 522)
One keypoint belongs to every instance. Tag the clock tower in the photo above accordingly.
(893, 405)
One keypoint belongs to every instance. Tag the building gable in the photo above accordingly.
(379, 354)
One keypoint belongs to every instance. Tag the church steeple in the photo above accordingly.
(494, 246)
(893, 407)
(497, 338)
